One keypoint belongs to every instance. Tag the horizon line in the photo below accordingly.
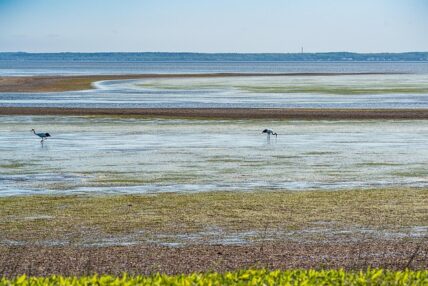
(208, 53)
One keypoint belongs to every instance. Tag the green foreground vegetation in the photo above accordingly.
(80, 219)
(244, 277)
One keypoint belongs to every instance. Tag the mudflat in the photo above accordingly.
(150, 259)
(78, 234)
(73, 83)
(228, 113)
(85, 82)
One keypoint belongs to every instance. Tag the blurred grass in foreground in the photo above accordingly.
(244, 277)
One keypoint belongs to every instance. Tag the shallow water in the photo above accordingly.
(96, 154)
(52, 66)
(350, 91)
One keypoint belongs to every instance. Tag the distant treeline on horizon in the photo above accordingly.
(215, 57)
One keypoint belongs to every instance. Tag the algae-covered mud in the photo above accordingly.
(134, 155)
(226, 218)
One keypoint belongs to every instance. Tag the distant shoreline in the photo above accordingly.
(217, 57)
(229, 113)
(84, 82)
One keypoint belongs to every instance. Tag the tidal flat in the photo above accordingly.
(227, 90)
(226, 218)
(154, 155)
(128, 193)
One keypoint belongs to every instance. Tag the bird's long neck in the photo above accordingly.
(34, 131)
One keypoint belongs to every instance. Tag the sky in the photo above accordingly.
(281, 26)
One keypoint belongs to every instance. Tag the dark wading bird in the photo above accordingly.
(42, 135)
(269, 132)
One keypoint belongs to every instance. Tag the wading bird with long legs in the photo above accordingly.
(42, 135)
(269, 132)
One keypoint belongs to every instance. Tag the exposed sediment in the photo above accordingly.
(228, 113)
(73, 83)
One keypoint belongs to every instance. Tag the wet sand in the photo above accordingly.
(228, 113)
(150, 258)
(73, 83)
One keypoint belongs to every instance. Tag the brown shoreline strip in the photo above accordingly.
(74, 83)
(227, 113)
(147, 259)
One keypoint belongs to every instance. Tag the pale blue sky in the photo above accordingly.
(214, 26)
